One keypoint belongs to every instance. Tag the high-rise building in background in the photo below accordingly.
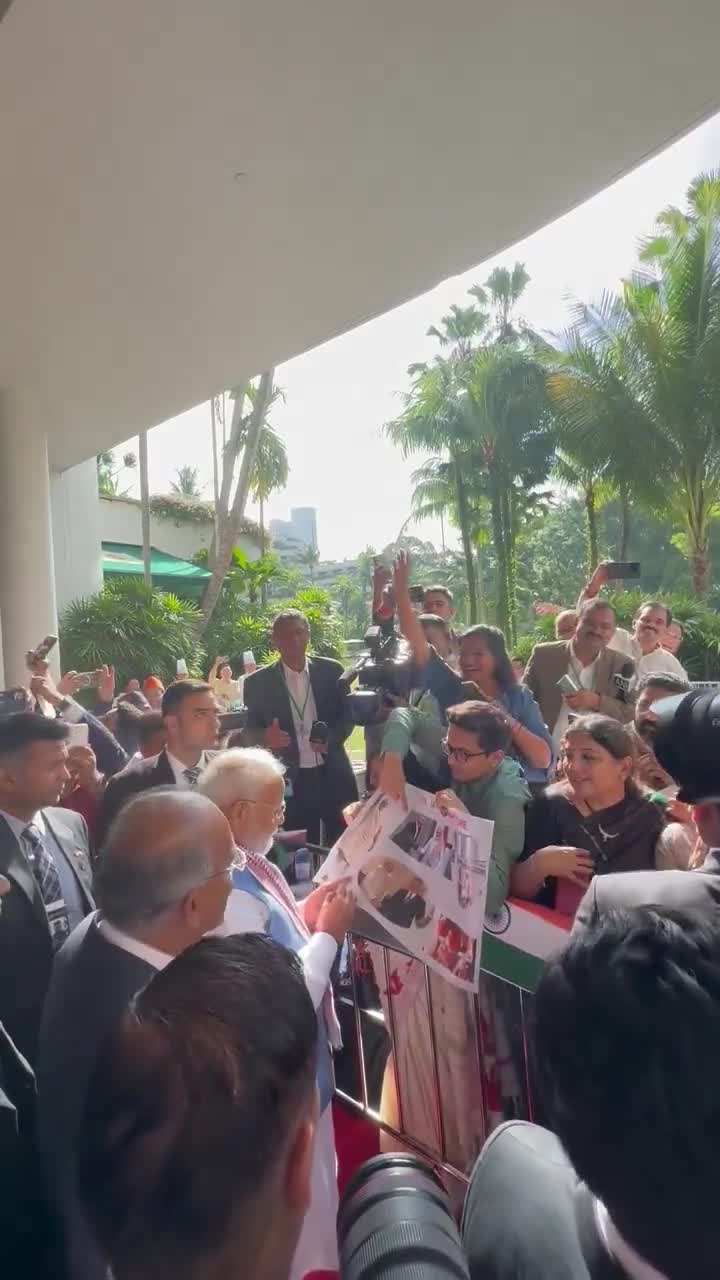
(294, 536)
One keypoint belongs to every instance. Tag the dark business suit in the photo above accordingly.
(91, 986)
(320, 793)
(26, 951)
(155, 772)
(528, 1214)
(684, 890)
(549, 662)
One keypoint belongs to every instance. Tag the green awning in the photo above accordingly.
(169, 573)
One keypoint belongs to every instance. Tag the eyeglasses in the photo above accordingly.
(237, 864)
(459, 752)
(277, 813)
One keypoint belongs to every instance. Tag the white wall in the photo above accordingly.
(120, 522)
(76, 532)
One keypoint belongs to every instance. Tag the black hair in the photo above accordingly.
(588, 606)
(23, 728)
(495, 640)
(135, 697)
(149, 724)
(489, 724)
(439, 590)
(627, 1053)
(655, 604)
(289, 615)
(665, 680)
(191, 1105)
(176, 693)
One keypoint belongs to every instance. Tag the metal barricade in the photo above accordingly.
(435, 1068)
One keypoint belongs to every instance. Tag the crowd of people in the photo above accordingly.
(167, 1018)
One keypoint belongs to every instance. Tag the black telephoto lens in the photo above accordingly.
(395, 1222)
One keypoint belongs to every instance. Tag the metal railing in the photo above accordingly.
(436, 1069)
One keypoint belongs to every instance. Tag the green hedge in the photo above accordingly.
(700, 650)
(140, 631)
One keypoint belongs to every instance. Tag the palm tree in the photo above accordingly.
(310, 558)
(270, 473)
(186, 484)
(652, 398)
(505, 418)
(432, 423)
(244, 438)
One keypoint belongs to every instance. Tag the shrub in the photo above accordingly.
(136, 630)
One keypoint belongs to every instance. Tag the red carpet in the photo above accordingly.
(356, 1140)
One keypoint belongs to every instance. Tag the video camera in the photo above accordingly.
(382, 673)
(686, 742)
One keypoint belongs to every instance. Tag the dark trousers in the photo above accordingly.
(312, 803)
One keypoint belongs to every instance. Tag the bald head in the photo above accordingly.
(165, 845)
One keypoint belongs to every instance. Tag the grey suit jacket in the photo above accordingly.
(25, 945)
(685, 890)
(549, 662)
(91, 986)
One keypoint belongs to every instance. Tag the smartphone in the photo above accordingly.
(417, 595)
(41, 652)
(181, 667)
(78, 735)
(622, 569)
(567, 685)
(86, 679)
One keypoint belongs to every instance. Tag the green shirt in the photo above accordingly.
(501, 798)
(420, 728)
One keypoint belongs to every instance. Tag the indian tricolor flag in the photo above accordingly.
(518, 940)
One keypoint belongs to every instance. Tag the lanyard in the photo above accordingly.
(300, 711)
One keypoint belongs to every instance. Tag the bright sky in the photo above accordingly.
(338, 396)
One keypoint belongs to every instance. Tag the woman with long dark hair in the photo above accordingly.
(485, 661)
(596, 820)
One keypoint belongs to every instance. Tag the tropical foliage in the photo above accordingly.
(137, 630)
(623, 407)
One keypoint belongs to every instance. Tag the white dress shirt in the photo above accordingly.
(584, 677)
(133, 946)
(657, 660)
(179, 768)
(246, 914)
(302, 700)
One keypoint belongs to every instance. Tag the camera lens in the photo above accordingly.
(395, 1222)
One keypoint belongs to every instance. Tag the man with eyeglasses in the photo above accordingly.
(487, 784)
(162, 883)
(248, 785)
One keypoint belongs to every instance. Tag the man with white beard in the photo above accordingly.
(248, 786)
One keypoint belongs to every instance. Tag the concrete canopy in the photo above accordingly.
(192, 192)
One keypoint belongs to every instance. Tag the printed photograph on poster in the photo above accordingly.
(421, 871)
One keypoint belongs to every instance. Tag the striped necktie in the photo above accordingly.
(191, 775)
(48, 881)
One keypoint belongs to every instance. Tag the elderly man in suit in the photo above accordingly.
(297, 709)
(45, 857)
(588, 665)
(162, 883)
(190, 717)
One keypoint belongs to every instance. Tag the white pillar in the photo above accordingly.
(27, 576)
(77, 550)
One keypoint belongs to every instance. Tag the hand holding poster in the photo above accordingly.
(421, 872)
